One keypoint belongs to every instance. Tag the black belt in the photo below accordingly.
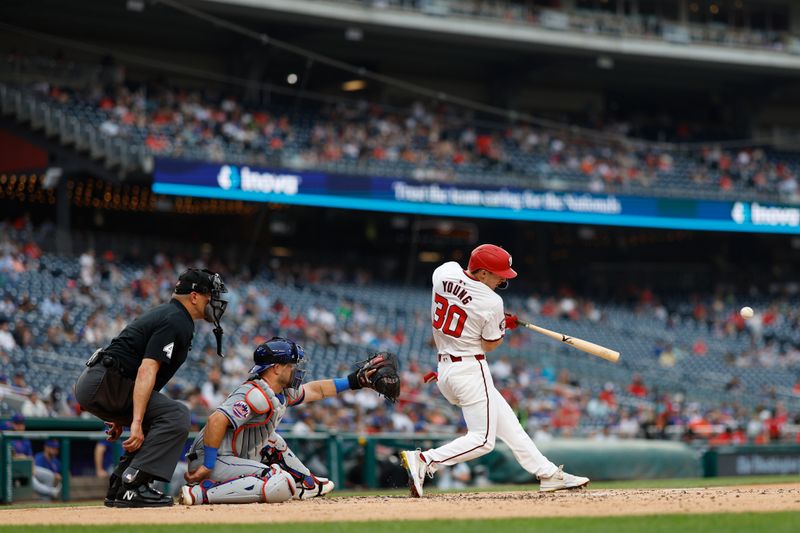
(458, 359)
(192, 456)
(109, 362)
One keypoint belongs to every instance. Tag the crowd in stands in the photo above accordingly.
(771, 339)
(425, 141)
(551, 401)
(599, 22)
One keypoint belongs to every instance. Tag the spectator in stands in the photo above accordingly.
(196, 402)
(34, 406)
(7, 341)
(566, 417)
(47, 471)
(213, 393)
(87, 264)
(52, 307)
(608, 396)
(728, 436)
(734, 385)
(637, 387)
(7, 308)
(23, 336)
(501, 368)
(628, 425)
(20, 386)
(700, 348)
(667, 358)
(543, 433)
(26, 305)
(57, 403)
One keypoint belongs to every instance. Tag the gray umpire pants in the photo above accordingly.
(109, 396)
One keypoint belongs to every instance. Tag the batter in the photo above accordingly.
(468, 322)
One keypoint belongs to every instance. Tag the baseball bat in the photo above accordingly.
(580, 344)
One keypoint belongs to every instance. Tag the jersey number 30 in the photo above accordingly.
(448, 318)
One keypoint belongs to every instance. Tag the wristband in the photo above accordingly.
(352, 379)
(210, 458)
(341, 384)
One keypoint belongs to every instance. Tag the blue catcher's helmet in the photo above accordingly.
(279, 351)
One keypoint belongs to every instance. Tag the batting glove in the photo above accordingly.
(511, 321)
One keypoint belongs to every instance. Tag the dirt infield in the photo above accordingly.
(616, 502)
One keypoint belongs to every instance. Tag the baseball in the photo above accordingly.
(746, 312)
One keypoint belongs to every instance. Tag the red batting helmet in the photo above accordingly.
(492, 258)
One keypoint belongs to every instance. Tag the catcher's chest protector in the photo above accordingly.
(254, 412)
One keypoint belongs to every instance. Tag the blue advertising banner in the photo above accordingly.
(323, 189)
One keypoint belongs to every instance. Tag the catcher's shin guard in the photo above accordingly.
(278, 453)
(278, 487)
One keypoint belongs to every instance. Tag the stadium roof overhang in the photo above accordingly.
(503, 34)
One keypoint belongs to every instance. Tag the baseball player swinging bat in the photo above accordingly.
(580, 344)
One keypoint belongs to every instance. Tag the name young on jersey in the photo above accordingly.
(457, 290)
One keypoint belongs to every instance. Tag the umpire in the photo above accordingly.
(121, 382)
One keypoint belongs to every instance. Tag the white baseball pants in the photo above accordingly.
(469, 385)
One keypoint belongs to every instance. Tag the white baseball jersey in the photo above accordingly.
(464, 311)
(254, 412)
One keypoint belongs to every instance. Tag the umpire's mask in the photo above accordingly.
(210, 283)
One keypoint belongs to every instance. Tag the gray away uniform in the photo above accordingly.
(254, 412)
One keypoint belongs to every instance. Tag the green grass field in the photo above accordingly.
(716, 523)
(773, 522)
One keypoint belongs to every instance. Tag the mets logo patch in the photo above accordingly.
(241, 410)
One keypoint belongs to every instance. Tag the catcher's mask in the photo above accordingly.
(279, 351)
(209, 283)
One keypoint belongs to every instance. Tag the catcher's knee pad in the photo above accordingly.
(278, 487)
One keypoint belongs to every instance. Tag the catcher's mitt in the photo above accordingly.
(379, 373)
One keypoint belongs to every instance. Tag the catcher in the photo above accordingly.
(239, 458)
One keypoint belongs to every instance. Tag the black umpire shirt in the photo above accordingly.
(164, 333)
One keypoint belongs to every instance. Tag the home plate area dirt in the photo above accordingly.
(617, 502)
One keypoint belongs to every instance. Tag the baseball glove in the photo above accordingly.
(378, 373)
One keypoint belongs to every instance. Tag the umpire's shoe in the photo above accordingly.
(114, 484)
(137, 492)
(115, 480)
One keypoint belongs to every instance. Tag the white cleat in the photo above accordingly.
(561, 480)
(416, 468)
(322, 487)
(186, 497)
